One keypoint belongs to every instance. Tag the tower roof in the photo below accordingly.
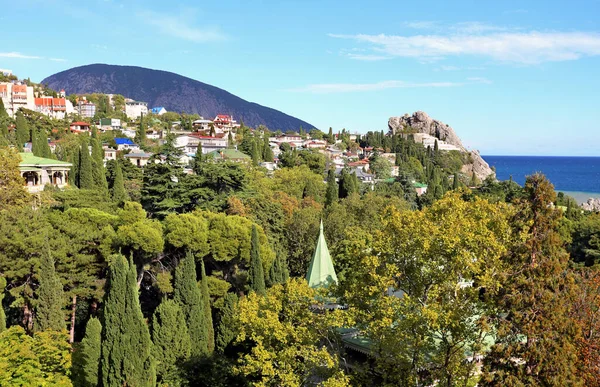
(321, 271)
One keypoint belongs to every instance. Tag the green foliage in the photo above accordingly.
(257, 277)
(2, 314)
(43, 359)
(187, 231)
(86, 358)
(586, 240)
(117, 192)
(126, 346)
(22, 129)
(331, 195)
(207, 310)
(85, 177)
(50, 301)
(348, 183)
(171, 342)
(12, 190)
(227, 330)
(188, 295)
(381, 167)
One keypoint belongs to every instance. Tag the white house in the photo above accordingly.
(126, 144)
(15, 96)
(134, 109)
(37, 172)
(139, 159)
(189, 143)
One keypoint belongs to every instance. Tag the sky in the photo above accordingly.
(511, 77)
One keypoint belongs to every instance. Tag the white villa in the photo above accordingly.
(39, 171)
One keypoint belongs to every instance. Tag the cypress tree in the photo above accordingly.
(332, 194)
(86, 177)
(207, 311)
(474, 181)
(330, 138)
(2, 315)
(118, 192)
(86, 358)
(198, 159)
(267, 151)
(3, 112)
(140, 137)
(256, 275)
(279, 273)
(189, 297)
(171, 341)
(22, 130)
(255, 152)
(227, 331)
(126, 345)
(455, 182)
(98, 172)
(230, 143)
(51, 299)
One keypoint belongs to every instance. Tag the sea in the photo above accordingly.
(578, 177)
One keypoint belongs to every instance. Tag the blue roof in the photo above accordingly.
(123, 141)
(157, 109)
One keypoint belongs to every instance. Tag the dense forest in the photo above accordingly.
(155, 276)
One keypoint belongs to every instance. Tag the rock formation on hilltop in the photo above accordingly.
(422, 123)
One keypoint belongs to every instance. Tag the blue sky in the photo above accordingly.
(511, 77)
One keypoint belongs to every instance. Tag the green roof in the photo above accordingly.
(321, 272)
(419, 185)
(228, 154)
(28, 159)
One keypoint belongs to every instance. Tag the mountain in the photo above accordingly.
(175, 92)
(422, 123)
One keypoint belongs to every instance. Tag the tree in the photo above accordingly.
(381, 167)
(287, 338)
(49, 312)
(12, 190)
(188, 295)
(198, 157)
(331, 195)
(534, 325)
(98, 172)
(348, 183)
(140, 135)
(118, 192)
(230, 142)
(226, 330)
(255, 152)
(171, 342)
(267, 151)
(22, 129)
(43, 359)
(86, 358)
(3, 112)
(256, 275)
(330, 137)
(455, 182)
(278, 273)
(126, 345)
(207, 310)
(2, 314)
(86, 174)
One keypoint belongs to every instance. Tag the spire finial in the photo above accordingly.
(321, 226)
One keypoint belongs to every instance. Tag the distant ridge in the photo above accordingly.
(175, 92)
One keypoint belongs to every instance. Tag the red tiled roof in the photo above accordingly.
(79, 123)
(19, 89)
(217, 136)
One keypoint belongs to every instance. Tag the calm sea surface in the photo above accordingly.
(569, 174)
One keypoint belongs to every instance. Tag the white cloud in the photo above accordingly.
(517, 47)
(18, 55)
(180, 27)
(326, 88)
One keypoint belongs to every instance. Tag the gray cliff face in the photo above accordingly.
(422, 123)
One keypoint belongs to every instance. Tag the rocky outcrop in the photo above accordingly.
(420, 122)
(592, 204)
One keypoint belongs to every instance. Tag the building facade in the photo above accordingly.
(134, 109)
(15, 96)
(38, 172)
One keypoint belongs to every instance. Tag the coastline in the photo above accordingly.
(580, 197)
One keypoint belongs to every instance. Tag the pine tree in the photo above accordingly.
(126, 345)
(188, 295)
(49, 312)
(536, 335)
(226, 331)
(86, 358)
(207, 310)
(22, 130)
(256, 276)
(2, 314)
(118, 192)
(332, 194)
(171, 341)
(86, 177)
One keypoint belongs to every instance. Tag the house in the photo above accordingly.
(53, 107)
(110, 124)
(134, 109)
(315, 144)
(139, 159)
(39, 172)
(85, 108)
(420, 188)
(189, 143)
(79, 127)
(109, 153)
(126, 144)
(228, 155)
(16, 96)
(159, 111)
(204, 125)
(225, 123)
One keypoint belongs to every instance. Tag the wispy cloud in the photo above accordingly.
(327, 88)
(479, 80)
(517, 47)
(180, 27)
(18, 55)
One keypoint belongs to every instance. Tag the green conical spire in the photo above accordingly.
(321, 271)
